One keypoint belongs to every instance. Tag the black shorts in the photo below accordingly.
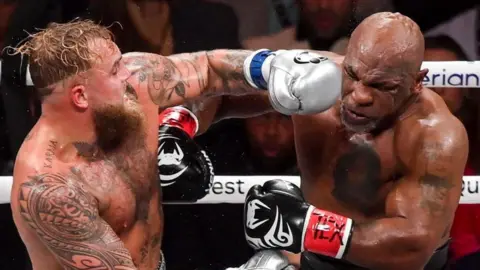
(311, 261)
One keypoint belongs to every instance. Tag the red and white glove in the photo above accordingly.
(185, 170)
(276, 216)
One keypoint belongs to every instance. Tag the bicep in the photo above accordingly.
(67, 221)
(168, 81)
(429, 193)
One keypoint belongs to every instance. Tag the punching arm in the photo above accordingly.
(175, 79)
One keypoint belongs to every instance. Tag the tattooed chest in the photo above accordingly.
(361, 177)
(126, 184)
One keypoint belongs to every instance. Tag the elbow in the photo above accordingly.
(414, 252)
(411, 251)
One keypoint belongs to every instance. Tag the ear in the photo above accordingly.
(419, 80)
(79, 97)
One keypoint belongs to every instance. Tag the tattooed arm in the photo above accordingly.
(171, 80)
(420, 208)
(66, 219)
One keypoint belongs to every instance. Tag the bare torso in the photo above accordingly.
(123, 184)
(353, 175)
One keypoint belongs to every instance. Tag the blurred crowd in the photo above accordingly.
(211, 236)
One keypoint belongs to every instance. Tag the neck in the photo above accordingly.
(70, 125)
(408, 107)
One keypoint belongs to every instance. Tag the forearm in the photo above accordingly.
(388, 243)
(225, 72)
(175, 79)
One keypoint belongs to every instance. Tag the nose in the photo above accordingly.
(271, 129)
(362, 96)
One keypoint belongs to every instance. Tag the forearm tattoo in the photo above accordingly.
(228, 65)
(188, 76)
(66, 219)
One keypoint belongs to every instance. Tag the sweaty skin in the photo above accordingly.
(80, 206)
(389, 154)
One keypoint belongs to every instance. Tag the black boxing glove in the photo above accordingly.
(186, 172)
(276, 216)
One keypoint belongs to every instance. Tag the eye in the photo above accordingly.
(390, 88)
(350, 73)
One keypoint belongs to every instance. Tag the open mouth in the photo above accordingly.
(356, 115)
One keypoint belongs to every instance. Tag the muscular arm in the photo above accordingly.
(249, 104)
(67, 221)
(174, 79)
(419, 209)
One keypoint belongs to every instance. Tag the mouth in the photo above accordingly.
(355, 115)
(355, 119)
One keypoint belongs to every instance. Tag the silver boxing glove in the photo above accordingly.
(266, 260)
(298, 81)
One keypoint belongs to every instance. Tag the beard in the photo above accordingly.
(115, 124)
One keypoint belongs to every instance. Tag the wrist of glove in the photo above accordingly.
(266, 260)
(276, 216)
(298, 81)
(185, 170)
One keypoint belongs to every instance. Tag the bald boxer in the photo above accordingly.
(381, 169)
(86, 193)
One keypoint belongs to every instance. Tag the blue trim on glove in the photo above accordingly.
(256, 69)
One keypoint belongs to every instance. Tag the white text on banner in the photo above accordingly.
(233, 189)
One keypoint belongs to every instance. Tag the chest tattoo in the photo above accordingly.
(357, 177)
(136, 169)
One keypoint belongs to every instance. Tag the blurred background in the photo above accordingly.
(211, 236)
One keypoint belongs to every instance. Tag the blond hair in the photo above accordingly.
(60, 51)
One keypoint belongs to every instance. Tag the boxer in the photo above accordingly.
(86, 192)
(381, 169)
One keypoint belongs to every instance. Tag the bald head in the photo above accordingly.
(382, 66)
(392, 38)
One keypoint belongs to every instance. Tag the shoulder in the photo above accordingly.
(438, 123)
(437, 135)
(446, 133)
(32, 155)
(60, 184)
(41, 161)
